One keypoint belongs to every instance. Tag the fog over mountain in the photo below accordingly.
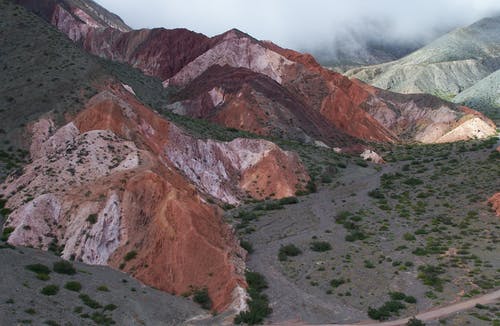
(325, 28)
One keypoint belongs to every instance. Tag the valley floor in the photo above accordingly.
(428, 233)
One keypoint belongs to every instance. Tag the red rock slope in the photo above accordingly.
(110, 185)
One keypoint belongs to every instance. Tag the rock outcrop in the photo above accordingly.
(495, 203)
(109, 188)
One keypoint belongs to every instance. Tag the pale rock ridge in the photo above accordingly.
(66, 23)
(235, 52)
(42, 200)
(217, 96)
(94, 243)
(36, 222)
(369, 155)
(472, 128)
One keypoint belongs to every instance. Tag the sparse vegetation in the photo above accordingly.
(258, 303)
(430, 276)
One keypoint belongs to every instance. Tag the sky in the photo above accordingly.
(308, 25)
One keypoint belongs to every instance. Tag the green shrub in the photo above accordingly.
(271, 206)
(92, 218)
(202, 298)
(362, 163)
(51, 323)
(289, 250)
(320, 246)
(42, 277)
(342, 165)
(288, 200)
(103, 288)
(64, 267)
(376, 193)
(247, 246)
(89, 302)
(256, 281)
(50, 290)
(413, 182)
(409, 237)
(6, 233)
(419, 251)
(335, 283)
(415, 322)
(73, 286)
(397, 295)
(101, 319)
(355, 235)
(410, 299)
(386, 310)
(38, 268)
(30, 311)
(326, 179)
(130, 255)
(110, 307)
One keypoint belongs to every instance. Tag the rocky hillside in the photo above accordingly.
(278, 92)
(105, 180)
(115, 169)
(446, 67)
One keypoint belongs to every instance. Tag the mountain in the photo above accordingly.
(445, 67)
(105, 180)
(288, 94)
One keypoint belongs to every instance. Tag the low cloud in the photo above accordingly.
(309, 25)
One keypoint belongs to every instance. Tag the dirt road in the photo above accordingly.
(439, 312)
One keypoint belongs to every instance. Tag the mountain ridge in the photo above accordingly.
(446, 67)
